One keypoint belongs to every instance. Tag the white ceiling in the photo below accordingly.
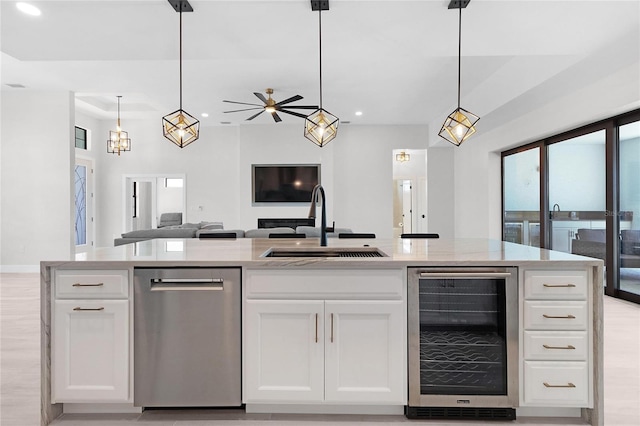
(394, 60)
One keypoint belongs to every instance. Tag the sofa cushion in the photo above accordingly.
(211, 225)
(161, 233)
(168, 219)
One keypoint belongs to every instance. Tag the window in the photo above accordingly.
(173, 183)
(81, 138)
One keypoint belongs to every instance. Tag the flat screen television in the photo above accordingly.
(283, 183)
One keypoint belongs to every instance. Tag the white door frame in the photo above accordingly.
(127, 184)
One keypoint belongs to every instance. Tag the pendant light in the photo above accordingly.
(402, 157)
(180, 127)
(118, 139)
(320, 127)
(459, 125)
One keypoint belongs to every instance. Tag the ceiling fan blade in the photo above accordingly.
(276, 117)
(297, 114)
(291, 99)
(260, 96)
(254, 116)
(247, 109)
(242, 103)
(298, 107)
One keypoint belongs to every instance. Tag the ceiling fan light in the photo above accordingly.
(459, 126)
(271, 109)
(321, 127)
(181, 128)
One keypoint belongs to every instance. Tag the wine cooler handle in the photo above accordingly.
(466, 275)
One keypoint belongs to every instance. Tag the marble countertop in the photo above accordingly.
(249, 252)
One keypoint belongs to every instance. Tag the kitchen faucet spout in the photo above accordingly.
(323, 218)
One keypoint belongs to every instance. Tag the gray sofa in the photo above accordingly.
(195, 230)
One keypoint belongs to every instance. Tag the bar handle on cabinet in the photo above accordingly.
(559, 316)
(331, 328)
(316, 328)
(77, 308)
(464, 274)
(568, 385)
(559, 285)
(88, 285)
(558, 347)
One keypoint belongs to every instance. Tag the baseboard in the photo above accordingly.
(325, 409)
(548, 412)
(100, 408)
(19, 269)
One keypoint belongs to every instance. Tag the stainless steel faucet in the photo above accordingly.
(323, 218)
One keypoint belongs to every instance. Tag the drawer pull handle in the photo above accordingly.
(88, 285)
(87, 309)
(331, 328)
(568, 385)
(559, 316)
(316, 328)
(559, 347)
(559, 285)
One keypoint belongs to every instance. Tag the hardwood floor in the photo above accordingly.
(20, 375)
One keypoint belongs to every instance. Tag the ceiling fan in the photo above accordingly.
(273, 107)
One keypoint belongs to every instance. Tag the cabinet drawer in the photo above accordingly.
(555, 345)
(325, 284)
(557, 384)
(555, 285)
(106, 284)
(549, 315)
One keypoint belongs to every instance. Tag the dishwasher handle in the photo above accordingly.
(184, 284)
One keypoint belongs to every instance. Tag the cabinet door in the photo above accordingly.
(365, 352)
(90, 354)
(283, 351)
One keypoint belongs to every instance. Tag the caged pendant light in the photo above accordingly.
(320, 127)
(118, 139)
(460, 124)
(180, 127)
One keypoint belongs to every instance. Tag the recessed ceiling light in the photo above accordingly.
(358, 113)
(204, 114)
(29, 9)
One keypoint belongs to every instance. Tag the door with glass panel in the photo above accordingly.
(577, 194)
(521, 197)
(83, 184)
(629, 212)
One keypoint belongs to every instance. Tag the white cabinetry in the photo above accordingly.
(90, 336)
(556, 370)
(325, 336)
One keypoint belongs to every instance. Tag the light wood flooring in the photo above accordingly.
(20, 375)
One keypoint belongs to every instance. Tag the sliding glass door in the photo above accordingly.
(579, 192)
(629, 215)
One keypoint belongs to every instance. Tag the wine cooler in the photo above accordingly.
(463, 343)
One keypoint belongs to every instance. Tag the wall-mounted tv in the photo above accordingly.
(283, 183)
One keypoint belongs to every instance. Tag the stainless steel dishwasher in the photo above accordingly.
(187, 337)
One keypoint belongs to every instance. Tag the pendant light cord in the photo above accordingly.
(320, 50)
(181, 60)
(118, 129)
(459, 50)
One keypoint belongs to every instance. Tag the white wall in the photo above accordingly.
(36, 192)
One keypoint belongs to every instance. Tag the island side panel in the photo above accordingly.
(595, 416)
(48, 411)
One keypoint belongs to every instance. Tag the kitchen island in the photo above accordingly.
(323, 290)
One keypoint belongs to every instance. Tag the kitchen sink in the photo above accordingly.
(324, 252)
